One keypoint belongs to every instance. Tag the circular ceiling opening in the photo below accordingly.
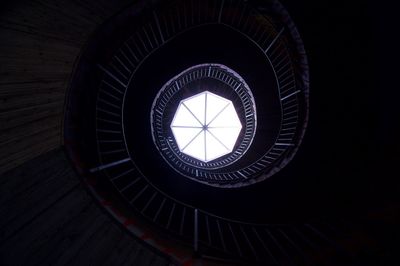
(122, 128)
(206, 126)
(252, 47)
(203, 120)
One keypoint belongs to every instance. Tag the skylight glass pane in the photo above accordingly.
(184, 135)
(227, 136)
(196, 105)
(215, 104)
(227, 118)
(214, 148)
(196, 148)
(184, 118)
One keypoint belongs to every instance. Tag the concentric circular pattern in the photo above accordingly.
(122, 83)
(108, 134)
(218, 79)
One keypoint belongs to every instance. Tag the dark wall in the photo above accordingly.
(39, 43)
(48, 218)
(46, 215)
(351, 140)
(351, 149)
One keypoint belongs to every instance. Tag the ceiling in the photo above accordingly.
(345, 168)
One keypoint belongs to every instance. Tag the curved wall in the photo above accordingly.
(44, 208)
(40, 41)
(46, 215)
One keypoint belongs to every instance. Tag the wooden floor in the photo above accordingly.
(48, 218)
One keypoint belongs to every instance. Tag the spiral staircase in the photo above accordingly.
(58, 207)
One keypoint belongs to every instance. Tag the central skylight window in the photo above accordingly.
(206, 126)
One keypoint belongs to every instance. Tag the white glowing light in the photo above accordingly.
(206, 126)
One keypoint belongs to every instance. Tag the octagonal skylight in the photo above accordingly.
(206, 126)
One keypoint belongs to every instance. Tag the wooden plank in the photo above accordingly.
(24, 155)
(34, 172)
(40, 43)
(96, 250)
(12, 153)
(26, 87)
(15, 247)
(84, 239)
(19, 102)
(35, 200)
(66, 236)
(125, 247)
(20, 117)
(15, 134)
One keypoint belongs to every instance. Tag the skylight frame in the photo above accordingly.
(218, 79)
(204, 125)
